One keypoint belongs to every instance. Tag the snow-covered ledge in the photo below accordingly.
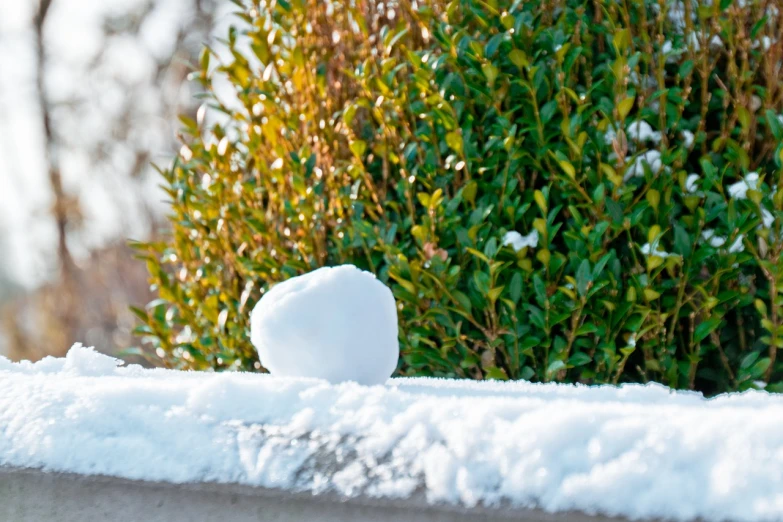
(83, 433)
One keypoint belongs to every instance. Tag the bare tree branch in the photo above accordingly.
(60, 209)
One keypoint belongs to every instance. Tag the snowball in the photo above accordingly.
(335, 323)
(517, 241)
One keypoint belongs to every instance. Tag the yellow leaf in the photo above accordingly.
(436, 198)
(419, 232)
(625, 106)
(567, 291)
(654, 262)
(568, 168)
(540, 225)
(507, 20)
(541, 201)
(621, 40)
(518, 58)
(653, 234)
(653, 198)
(495, 293)
(454, 141)
(469, 192)
(491, 73)
(358, 147)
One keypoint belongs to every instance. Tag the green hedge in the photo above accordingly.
(576, 191)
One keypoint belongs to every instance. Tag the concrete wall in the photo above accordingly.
(34, 496)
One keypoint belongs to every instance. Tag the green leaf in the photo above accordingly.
(748, 360)
(775, 125)
(495, 373)
(462, 299)
(586, 329)
(515, 288)
(491, 248)
(579, 359)
(540, 288)
(599, 266)
(583, 277)
(482, 281)
(705, 328)
(758, 369)
(555, 366)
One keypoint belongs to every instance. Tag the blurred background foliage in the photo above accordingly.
(89, 96)
(576, 191)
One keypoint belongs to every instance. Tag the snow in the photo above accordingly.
(671, 53)
(765, 43)
(715, 42)
(335, 323)
(636, 169)
(717, 241)
(767, 218)
(713, 239)
(739, 190)
(687, 138)
(737, 245)
(691, 181)
(655, 250)
(642, 131)
(517, 241)
(634, 451)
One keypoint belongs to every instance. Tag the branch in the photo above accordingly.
(60, 209)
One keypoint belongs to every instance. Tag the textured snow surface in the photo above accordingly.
(335, 323)
(638, 451)
(517, 241)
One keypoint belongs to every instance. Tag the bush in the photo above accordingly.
(565, 191)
